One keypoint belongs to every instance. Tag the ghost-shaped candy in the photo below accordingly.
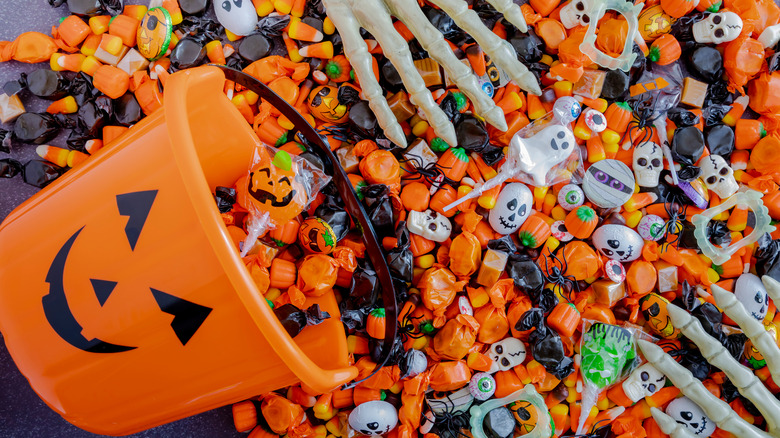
(538, 154)
(237, 16)
(513, 206)
(750, 291)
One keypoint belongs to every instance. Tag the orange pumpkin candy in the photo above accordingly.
(324, 104)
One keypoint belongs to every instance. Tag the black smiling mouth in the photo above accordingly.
(264, 197)
(504, 223)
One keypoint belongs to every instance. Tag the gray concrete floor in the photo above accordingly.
(22, 413)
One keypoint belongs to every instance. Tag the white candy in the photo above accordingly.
(618, 242)
(687, 413)
(643, 382)
(717, 28)
(513, 206)
(648, 162)
(373, 418)
(237, 16)
(429, 224)
(506, 354)
(537, 155)
(750, 291)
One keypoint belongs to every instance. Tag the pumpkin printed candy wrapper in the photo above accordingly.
(278, 187)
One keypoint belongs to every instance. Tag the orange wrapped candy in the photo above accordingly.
(765, 156)
(438, 287)
(273, 67)
(317, 274)
(449, 376)
(612, 36)
(381, 167)
(581, 261)
(493, 323)
(465, 254)
(742, 59)
(764, 93)
(280, 413)
(458, 335)
(29, 47)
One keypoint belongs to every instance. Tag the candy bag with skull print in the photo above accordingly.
(277, 187)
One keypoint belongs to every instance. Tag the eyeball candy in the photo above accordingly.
(615, 271)
(513, 206)
(237, 16)
(482, 386)
(618, 242)
(608, 183)
(373, 418)
(651, 227)
(566, 109)
(570, 197)
(595, 120)
(559, 231)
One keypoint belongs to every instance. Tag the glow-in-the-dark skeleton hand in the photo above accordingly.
(716, 354)
(375, 16)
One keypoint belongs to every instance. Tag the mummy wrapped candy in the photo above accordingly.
(373, 418)
(513, 206)
(643, 382)
(237, 16)
(430, 225)
(717, 28)
(750, 291)
(648, 163)
(718, 176)
(608, 183)
(506, 354)
(618, 242)
(375, 17)
(687, 413)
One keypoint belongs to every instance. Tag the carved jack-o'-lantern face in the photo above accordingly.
(273, 186)
(154, 34)
(654, 310)
(324, 104)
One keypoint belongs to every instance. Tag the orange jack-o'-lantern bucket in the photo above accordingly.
(123, 300)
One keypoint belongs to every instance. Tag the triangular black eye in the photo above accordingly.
(238, 3)
(522, 210)
(226, 5)
(512, 205)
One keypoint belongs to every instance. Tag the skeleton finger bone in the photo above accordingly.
(356, 51)
(500, 51)
(433, 42)
(669, 426)
(396, 50)
(511, 11)
(716, 409)
(716, 354)
(754, 330)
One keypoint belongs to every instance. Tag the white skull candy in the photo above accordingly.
(643, 382)
(513, 206)
(618, 242)
(751, 292)
(717, 28)
(576, 13)
(373, 418)
(429, 224)
(506, 354)
(718, 176)
(686, 412)
(537, 155)
(648, 162)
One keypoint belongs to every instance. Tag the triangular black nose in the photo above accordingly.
(511, 218)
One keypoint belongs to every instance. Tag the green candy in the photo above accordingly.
(607, 350)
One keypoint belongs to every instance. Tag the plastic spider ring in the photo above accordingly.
(750, 199)
(588, 47)
(528, 394)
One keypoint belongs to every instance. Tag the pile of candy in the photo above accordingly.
(532, 258)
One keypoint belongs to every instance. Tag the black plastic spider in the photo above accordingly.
(338, 132)
(596, 431)
(432, 174)
(643, 121)
(674, 225)
(409, 326)
(450, 424)
(556, 276)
